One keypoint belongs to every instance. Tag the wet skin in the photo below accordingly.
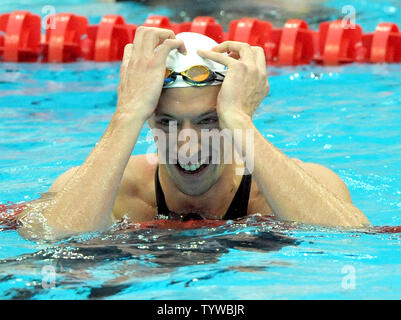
(111, 183)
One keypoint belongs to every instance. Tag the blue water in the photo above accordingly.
(347, 118)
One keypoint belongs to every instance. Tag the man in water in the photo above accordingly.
(203, 90)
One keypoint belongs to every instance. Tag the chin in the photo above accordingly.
(194, 181)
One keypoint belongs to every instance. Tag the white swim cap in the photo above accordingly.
(179, 62)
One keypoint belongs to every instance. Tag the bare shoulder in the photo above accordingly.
(328, 178)
(136, 194)
(59, 183)
(324, 175)
(141, 167)
(257, 202)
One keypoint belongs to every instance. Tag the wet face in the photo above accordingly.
(188, 120)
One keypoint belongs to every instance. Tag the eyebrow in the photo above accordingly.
(163, 114)
(208, 113)
(205, 114)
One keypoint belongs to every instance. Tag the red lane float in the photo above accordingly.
(21, 40)
(106, 41)
(72, 39)
(208, 27)
(10, 211)
(203, 25)
(292, 45)
(386, 229)
(164, 22)
(384, 45)
(339, 44)
(296, 45)
(253, 31)
(158, 22)
(63, 43)
(171, 224)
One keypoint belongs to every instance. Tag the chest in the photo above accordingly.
(145, 208)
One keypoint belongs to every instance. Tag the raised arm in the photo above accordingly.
(294, 191)
(85, 196)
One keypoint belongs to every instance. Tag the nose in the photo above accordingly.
(189, 141)
(186, 124)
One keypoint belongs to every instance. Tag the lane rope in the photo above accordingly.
(73, 39)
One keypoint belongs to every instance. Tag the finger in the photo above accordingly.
(126, 58)
(138, 40)
(217, 57)
(127, 55)
(241, 48)
(153, 37)
(164, 49)
(234, 55)
(181, 48)
(260, 57)
(146, 39)
(260, 60)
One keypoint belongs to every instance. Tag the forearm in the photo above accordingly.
(293, 193)
(86, 201)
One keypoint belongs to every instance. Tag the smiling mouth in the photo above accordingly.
(193, 168)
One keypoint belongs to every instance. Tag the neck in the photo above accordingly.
(212, 204)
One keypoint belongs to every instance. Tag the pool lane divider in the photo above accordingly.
(73, 39)
(9, 220)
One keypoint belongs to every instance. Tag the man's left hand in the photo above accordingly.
(245, 84)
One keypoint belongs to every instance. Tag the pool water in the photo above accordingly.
(347, 118)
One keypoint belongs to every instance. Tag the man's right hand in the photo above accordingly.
(143, 69)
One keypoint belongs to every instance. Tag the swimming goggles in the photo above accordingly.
(196, 75)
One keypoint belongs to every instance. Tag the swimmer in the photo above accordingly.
(180, 84)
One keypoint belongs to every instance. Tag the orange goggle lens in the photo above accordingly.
(198, 73)
(195, 74)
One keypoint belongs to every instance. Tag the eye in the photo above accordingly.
(209, 120)
(165, 121)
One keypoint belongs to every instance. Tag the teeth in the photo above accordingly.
(193, 167)
(190, 167)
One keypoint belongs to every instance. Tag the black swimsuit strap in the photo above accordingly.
(160, 199)
(238, 207)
